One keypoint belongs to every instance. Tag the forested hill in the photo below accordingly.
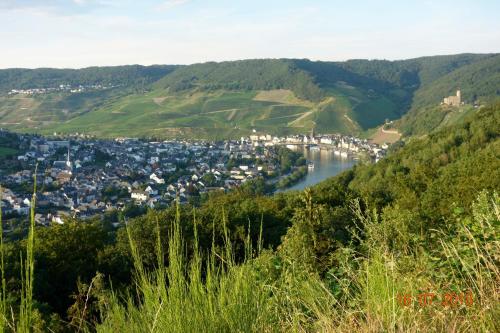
(21, 78)
(279, 96)
(298, 75)
(258, 74)
(478, 81)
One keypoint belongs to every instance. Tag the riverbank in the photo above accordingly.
(297, 175)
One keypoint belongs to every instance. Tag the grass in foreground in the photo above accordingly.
(277, 292)
(24, 321)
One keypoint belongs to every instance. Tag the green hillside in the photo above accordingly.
(278, 96)
(479, 82)
(45, 111)
(261, 74)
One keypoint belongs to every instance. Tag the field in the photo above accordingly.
(382, 136)
(196, 113)
(283, 96)
(204, 115)
(33, 113)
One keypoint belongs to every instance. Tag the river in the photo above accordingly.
(326, 164)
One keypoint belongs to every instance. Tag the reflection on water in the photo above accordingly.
(326, 164)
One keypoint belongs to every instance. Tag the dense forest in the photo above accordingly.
(353, 253)
(259, 74)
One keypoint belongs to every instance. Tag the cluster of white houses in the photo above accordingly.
(81, 177)
(61, 88)
(342, 145)
(85, 177)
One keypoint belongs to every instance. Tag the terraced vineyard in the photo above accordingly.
(208, 112)
(157, 114)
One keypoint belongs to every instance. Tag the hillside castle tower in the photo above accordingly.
(453, 100)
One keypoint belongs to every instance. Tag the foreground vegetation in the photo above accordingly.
(283, 291)
(357, 252)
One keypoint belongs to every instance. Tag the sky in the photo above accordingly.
(82, 33)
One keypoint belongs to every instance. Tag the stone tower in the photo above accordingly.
(453, 100)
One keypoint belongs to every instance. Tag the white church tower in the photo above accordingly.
(68, 161)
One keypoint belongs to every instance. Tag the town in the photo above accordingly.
(82, 177)
(67, 88)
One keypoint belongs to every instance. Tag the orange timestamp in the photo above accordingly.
(446, 299)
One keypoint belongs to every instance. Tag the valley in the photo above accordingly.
(249, 166)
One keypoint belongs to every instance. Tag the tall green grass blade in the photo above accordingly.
(3, 290)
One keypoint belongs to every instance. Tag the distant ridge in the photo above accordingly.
(219, 99)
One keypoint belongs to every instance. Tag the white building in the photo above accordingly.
(139, 195)
(157, 179)
(326, 140)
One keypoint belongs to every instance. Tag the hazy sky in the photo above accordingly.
(79, 33)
